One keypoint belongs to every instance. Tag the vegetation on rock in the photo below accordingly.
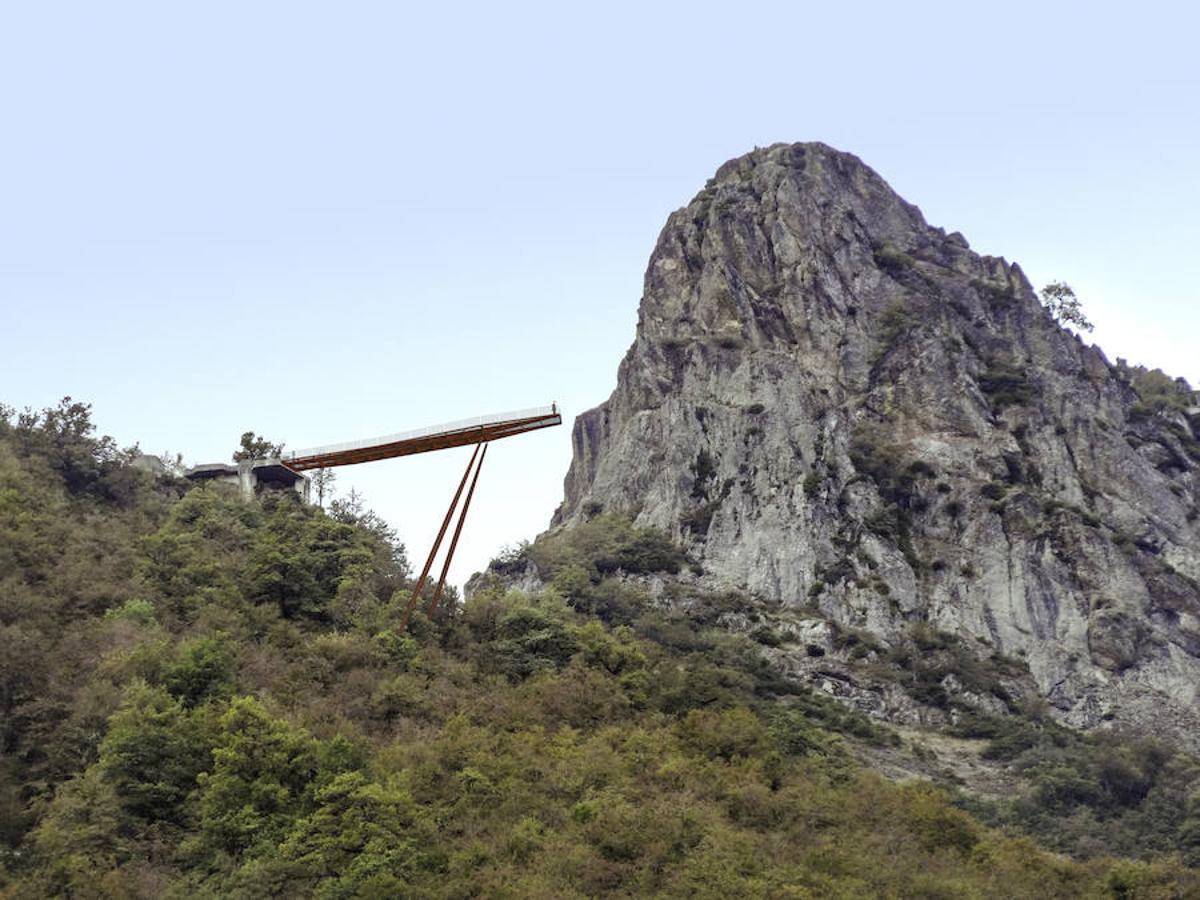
(201, 696)
(934, 447)
(1060, 299)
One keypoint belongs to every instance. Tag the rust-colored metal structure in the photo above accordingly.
(480, 432)
(441, 437)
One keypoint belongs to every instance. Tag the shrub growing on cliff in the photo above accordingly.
(1058, 297)
(604, 545)
(1157, 392)
(897, 479)
(884, 463)
(897, 320)
(1005, 385)
(530, 641)
(893, 261)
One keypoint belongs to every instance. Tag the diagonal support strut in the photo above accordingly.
(412, 601)
(437, 594)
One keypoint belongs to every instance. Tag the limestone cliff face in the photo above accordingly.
(833, 403)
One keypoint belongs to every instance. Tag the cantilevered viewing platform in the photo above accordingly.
(251, 475)
(479, 430)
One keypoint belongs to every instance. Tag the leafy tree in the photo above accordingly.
(529, 641)
(152, 755)
(252, 446)
(63, 439)
(1157, 393)
(203, 669)
(723, 734)
(1060, 299)
(322, 481)
(606, 544)
(14, 818)
(173, 463)
(390, 569)
(359, 841)
(82, 833)
(67, 432)
(199, 553)
(23, 674)
(262, 767)
(351, 510)
(302, 558)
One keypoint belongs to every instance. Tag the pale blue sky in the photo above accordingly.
(330, 221)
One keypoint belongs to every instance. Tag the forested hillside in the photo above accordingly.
(201, 696)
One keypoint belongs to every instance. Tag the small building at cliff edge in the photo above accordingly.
(252, 476)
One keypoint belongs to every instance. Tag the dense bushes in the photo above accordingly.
(61, 442)
(896, 322)
(898, 480)
(602, 773)
(1005, 384)
(1092, 794)
(584, 564)
(605, 544)
(1156, 391)
(893, 261)
(927, 658)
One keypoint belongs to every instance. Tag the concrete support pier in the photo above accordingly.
(253, 475)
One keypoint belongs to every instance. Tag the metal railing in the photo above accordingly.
(536, 412)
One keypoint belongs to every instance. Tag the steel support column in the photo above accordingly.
(438, 543)
(437, 594)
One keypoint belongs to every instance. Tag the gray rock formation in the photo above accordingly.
(832, 403)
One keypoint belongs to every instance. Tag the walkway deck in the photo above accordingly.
(438, 437)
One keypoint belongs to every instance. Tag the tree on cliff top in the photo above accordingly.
(1060, 299)
(254, 447)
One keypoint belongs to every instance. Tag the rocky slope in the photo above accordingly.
(836, 405)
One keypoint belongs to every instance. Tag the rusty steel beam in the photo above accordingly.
(479, 431)
(412, 601)
(437, 594)
(458, 437)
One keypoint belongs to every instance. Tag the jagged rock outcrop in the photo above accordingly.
(834, 404)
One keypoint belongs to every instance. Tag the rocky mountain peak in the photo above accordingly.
(838, 407)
